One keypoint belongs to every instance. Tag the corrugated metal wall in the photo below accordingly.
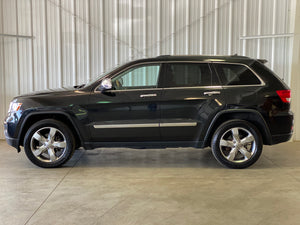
(66, 42)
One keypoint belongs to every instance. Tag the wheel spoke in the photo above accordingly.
(39, 138)
(232, 154)
(52, 133)
(226, 143)
(51, 154)
(235, 134)
(247, 139)
(40, 150)
(245, 153)
(60, 144)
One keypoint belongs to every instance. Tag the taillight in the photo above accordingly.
(285, 95)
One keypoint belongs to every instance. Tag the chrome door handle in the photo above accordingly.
(210, 93)
(148, 95)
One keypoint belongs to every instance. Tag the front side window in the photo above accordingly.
(140, 77)
(233, 74)
(188, 75)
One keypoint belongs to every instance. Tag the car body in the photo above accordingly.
(167, 101)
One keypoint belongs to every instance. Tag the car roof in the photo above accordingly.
(196, 58)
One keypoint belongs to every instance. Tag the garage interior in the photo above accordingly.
(48, 44)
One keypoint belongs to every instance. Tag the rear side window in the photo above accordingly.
(233, 74)
(188, 75)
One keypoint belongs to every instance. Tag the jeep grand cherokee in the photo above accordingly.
(233, 104)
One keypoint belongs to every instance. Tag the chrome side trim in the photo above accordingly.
(126, 125)
(183, 124)
(148, 95)
(138, 125)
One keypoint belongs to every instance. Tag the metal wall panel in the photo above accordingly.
(67, 42)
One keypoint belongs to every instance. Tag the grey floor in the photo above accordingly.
(172, 186)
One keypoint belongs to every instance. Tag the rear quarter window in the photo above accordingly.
(235, 74)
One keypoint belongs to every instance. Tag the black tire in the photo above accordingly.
(230, 147)
(60, 144)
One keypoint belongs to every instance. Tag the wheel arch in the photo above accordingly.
(249, 115)
(60, 116)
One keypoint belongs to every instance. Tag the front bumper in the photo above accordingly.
(14, 142)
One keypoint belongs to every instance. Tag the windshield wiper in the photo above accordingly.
(79, 86)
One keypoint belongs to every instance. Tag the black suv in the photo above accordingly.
(232, 103)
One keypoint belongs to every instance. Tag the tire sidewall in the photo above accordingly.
(224, 128)
(62, 128)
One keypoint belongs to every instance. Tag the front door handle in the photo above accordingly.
(148, 95)
(210, 93)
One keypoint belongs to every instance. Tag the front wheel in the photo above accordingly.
(236, 144)
(49, 143)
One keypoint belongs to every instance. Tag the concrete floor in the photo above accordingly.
(172, 186)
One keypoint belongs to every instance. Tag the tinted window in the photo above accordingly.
(188, 75)
(137, 78)
(232, 74)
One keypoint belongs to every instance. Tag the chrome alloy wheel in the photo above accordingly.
(238, 145)
(48, 144)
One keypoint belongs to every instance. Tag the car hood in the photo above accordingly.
(57, 91)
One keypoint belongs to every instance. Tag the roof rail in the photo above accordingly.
(162, 56)
(263, 61)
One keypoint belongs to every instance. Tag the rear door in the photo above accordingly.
(191, 96)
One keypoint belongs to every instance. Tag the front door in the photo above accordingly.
(130, 111)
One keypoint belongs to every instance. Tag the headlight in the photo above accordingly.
(14, 107)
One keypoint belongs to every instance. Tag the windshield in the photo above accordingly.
(94, 79)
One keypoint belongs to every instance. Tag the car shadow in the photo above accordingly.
(146, 158)
(153, 158)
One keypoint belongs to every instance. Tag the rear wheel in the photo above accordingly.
(49, 143)
(236, 144)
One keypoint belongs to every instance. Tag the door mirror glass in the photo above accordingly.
(105, 85)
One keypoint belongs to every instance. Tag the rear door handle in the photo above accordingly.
(210, 93)
(148, 95)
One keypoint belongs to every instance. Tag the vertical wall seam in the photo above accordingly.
(32, 48)
(102, 36)
(230, 27)
(3, 49)
(173, 16)
(201, 26)
(89, 41)
(116, 32)
(245, 14)
(145, 29)
(273, 32)
(187, 35)
(61, 46)
(74, 45)
(259, 27)
(18, 49)
(159, 27)
(216, 26)
(46, 46)
(130, 30)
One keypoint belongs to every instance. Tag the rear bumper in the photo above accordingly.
(279, 138)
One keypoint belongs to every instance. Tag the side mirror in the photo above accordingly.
(106, 84)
